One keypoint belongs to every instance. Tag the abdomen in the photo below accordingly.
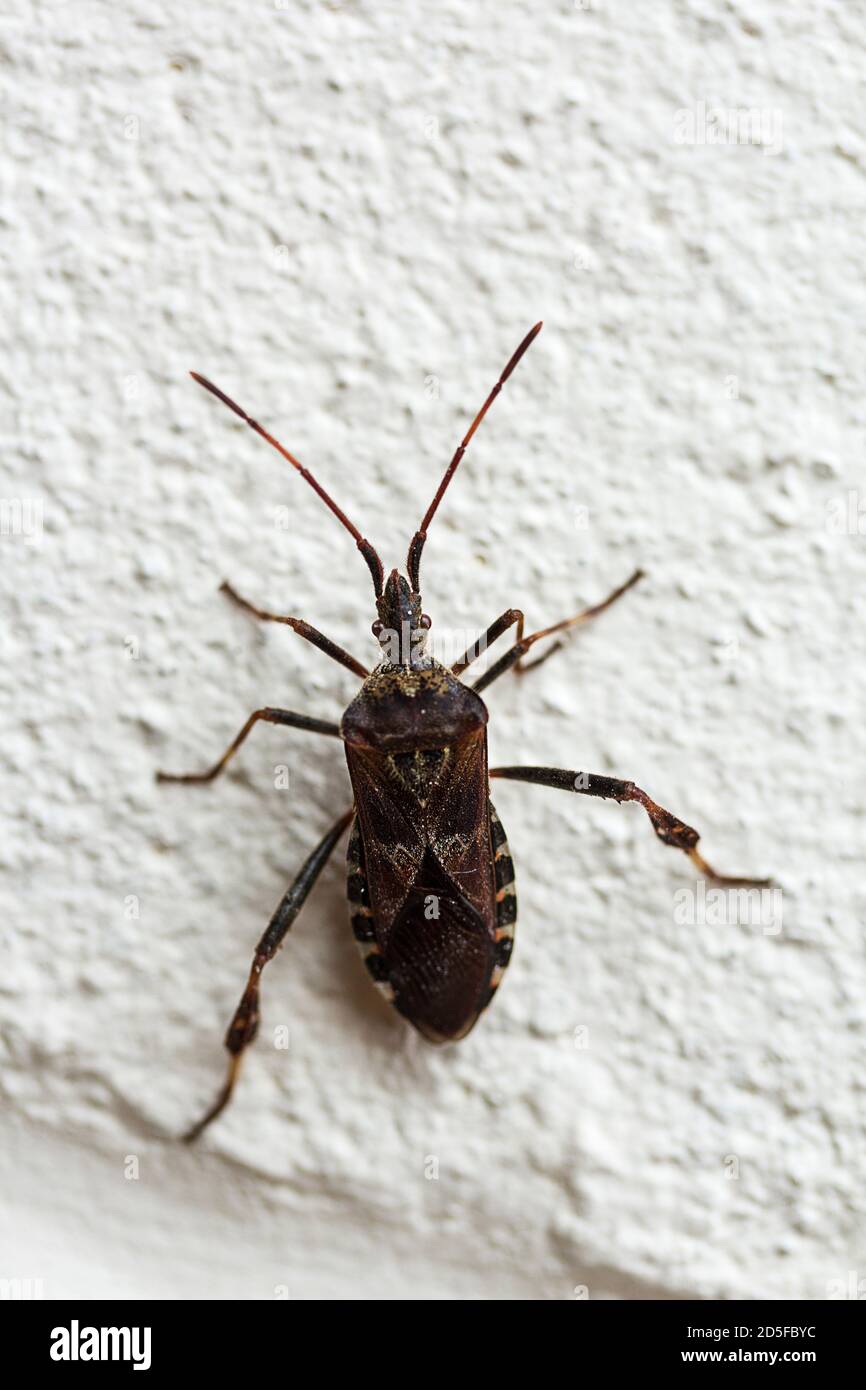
(440, 964)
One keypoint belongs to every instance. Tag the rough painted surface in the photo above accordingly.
(348, 216)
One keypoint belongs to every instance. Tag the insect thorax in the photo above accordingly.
(401, 709)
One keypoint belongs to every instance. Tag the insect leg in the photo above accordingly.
(577, 621)
(495, 630)
(514, 657)
(245, 1023)
(303, 629)
(669, 829)
(270, 716)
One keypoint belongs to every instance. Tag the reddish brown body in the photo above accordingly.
(430, 882)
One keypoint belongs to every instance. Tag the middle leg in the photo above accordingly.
(270, 716)
(670, 830)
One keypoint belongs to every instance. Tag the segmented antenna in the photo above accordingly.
(368, 551)
(413, 562)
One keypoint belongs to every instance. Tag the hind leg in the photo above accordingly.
(245, 1022)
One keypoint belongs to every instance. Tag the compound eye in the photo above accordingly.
(425, 621)
(377, 627)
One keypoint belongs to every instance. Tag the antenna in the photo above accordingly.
(413, 562)
(369, 553)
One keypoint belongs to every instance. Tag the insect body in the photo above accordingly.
(430, 878)
(430, 881)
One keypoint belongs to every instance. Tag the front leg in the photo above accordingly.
(514, 658)
(496, 629)
(669, 829)
(305, 630)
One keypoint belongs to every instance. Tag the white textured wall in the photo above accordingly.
(323, 207)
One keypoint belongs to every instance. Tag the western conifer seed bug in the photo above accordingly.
(430, 878)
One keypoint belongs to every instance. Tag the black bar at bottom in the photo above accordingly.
(65, 1338)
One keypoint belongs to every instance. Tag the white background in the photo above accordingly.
(348, 215)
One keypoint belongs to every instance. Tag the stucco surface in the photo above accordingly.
(348, 215)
